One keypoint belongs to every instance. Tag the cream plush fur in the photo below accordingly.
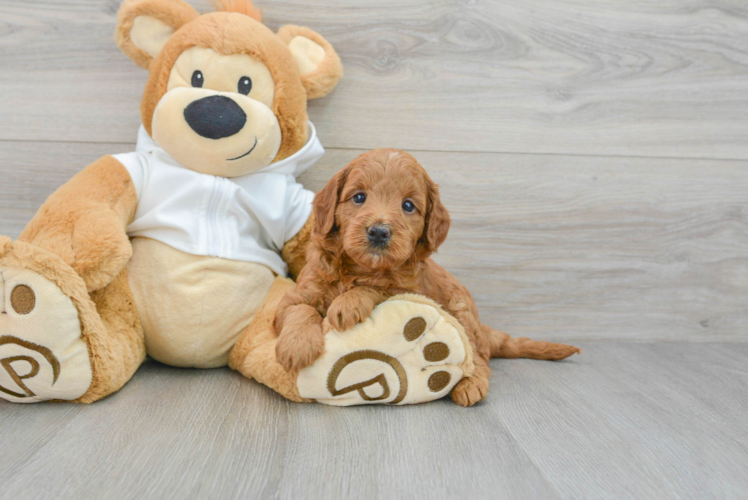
(193, 308)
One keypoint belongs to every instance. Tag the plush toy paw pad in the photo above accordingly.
(408, 351)
(414, 328)
(436, 351)
(42, 356)
(439, 380)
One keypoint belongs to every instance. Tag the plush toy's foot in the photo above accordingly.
(57, 341)
(408, 351)
(254, 353)
(42, 354)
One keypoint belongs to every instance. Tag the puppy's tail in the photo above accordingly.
(504, 346)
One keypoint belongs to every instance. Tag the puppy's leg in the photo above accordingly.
(471, 390)
(301, 340)
(353, 307)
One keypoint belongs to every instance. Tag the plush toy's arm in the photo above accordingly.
(294, 251)
(85, 220)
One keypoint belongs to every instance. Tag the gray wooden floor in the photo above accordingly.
(625, 420)
(594, 157)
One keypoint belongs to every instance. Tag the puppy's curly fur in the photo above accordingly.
(351, 267)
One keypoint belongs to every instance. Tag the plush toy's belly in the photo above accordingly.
(193, 308)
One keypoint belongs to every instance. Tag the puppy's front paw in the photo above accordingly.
(346, 311)
(469, 391)
(296, 350)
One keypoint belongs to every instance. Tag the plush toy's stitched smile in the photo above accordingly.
(245, 154)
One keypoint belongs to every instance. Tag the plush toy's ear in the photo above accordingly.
(144, 26)
(326, 201)
(318, 62)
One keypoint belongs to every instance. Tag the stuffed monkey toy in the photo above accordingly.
(179, 250)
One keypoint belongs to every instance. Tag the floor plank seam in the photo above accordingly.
(445, 151)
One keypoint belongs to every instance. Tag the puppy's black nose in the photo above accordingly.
(215, 117)
(379, 234)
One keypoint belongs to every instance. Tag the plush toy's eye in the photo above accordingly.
(359, 198)
(197, 79)
(408, 206)
(245, 85)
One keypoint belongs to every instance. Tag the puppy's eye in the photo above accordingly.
(359, 198)
(197, 79)
(408, 206)
(245, 85)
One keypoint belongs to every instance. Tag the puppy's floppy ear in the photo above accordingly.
(144, 26)
(319, 64)
(326, 201)
(437, 222)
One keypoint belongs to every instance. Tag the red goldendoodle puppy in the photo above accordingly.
(376, 223)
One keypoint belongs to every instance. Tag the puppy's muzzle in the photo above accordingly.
(215, 117)
(379, 235)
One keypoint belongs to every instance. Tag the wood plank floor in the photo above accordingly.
(635, 77)
(624, 420)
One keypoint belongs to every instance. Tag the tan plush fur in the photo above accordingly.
(174, 13)
(323, 79)
(240, 6)
(348, 273)
(83, 221)
(120, 349)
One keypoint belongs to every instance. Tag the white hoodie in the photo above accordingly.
(247, 218)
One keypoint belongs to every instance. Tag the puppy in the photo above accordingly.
(376, 223)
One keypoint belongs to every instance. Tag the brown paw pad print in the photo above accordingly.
(22, 299)
(414, 328)
(436, 351)
(439, 380)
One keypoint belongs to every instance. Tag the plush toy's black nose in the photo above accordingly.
(215, 117)
(379, 234)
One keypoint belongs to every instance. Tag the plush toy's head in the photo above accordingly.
(226, 96)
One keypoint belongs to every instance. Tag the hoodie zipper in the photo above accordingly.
(213, 236)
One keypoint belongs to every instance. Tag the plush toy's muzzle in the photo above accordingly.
(217, 133)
